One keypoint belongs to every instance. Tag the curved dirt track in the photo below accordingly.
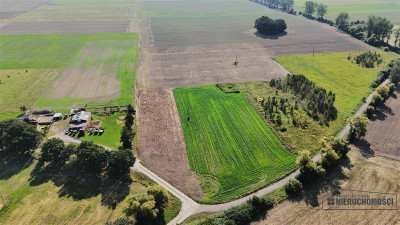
(190, 207)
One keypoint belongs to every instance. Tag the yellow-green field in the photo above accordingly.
(334, 72)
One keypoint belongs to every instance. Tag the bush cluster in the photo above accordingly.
(268, 26)
(392, 71)
(368, 59)
(242, 214)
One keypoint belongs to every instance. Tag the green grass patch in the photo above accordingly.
(228, 143)
(47, 51)
(112, 126)
(296, 138)
(334, 72)
(22, 88)
(173, 208)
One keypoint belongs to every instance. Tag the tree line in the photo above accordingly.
(127, 133)
(285, 5)
(391, 71)
(367, 59)
(318, 99)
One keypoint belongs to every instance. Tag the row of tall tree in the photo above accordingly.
(286, 5)
(311, 7)
(127, 133)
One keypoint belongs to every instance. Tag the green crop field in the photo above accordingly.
(296, 138)
(109, 59)
(334, 72)
(112, 126)
(229, 146)
(359, 9)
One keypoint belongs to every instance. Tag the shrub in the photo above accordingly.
(369, 111)
(383, 91)
(377, 100)
(268, 26)
(358, 126)
(329, 157)
(160, 195)
(293, 187)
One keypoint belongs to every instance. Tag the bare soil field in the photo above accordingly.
(162, 146)
(85, 27)
(13, 8)
(183, 66)
(383, 132)
(197, 44)
(374, 174)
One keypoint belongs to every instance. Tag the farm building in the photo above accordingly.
(43, 117)
(79, 120)
(57, 116)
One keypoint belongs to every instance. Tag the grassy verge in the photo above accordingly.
(228, 143)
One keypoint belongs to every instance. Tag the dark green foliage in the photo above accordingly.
(131, 110)
(126, 137)
(368, 59)
(67, 152)
(242, 214)
(342, 21)
(309, 8)
(319, 100)
(379, 27)
(309, 170)
(293, 187)
(395, 73)
(268, 26)
(52, 149)
(119, 162)
(18, 137)
(92, 158)
(129, 120)
(322, 9)
(377, 100)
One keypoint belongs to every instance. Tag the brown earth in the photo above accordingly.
(83, 27)
(162, 146)
(194, 65)
(383, 131)
(374, 174)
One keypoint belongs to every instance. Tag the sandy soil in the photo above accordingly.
(374, 174)
(194, 65)
(162, 146)
(383, 131)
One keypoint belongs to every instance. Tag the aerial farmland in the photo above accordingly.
(199, 112)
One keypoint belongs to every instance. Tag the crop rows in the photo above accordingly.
(227, 140)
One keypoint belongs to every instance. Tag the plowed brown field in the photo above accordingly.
(383, 132)
(162, 146)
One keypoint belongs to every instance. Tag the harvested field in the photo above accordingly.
(75, 12)
(12, 8)
(383, 132)
(199, 42)
(84, 27)
(162, 146)
(376, 174)
(183, 66)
